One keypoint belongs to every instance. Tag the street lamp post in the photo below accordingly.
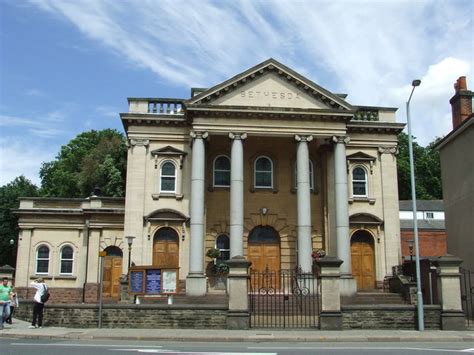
(12, 245)
(130, 239)
(419, 296)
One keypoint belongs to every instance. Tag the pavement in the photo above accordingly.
(19, 329)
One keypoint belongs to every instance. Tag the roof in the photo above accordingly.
(468, 122)
(422, 205)
(433, 224)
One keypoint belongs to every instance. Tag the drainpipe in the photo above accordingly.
(86, 235)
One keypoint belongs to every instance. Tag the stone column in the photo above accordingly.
(237, 195)
(238, 316)
(304, 203)
(196, 284)
(135, 198)
(330, 316)
(449, 292)
(348, 284)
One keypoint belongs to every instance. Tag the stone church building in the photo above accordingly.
(267, 165)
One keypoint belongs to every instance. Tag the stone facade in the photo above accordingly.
(261, 123)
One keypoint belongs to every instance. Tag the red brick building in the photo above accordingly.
(431, 228)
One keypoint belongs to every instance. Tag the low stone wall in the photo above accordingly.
(129, 315)
(388, 317)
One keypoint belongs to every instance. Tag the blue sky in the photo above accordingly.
(69, 66)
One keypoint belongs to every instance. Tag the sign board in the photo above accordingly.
(150, 280)
(153, 281)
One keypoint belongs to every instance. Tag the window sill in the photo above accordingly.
(264, 189)
(218, 188)
(167, 195)
(43, 276)
(370, 200)
(65, 277)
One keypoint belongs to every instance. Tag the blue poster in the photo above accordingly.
(136, 281)
(153, 281)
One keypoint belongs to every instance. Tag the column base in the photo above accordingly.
(238, 320)
(453, 320)
(347, 286)
(330, 321)
(196, 285)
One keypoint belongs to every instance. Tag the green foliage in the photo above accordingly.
(9, 201)
(213, 253)
(92, 159)
(427, 170)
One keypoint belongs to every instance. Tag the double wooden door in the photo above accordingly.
(363, 265)
(112, 273)
(265, 259)
(166, 249)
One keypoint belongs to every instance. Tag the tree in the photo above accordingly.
(9, 201)
(92, 159)
(427, 170)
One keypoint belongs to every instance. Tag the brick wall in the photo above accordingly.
(388, 317)
(129, 316)
(58, 294)
(432, 243)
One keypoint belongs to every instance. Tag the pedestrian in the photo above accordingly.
(38, 307)
(5, 300)
(13, 305)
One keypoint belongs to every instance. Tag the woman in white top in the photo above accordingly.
(41, 288)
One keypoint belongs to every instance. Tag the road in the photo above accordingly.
(93, 347)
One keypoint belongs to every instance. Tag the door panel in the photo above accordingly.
(112, 272)
(166, 253)
(363, 269)
(265, 258)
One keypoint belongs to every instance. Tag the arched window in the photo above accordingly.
(311, 176)
(223, 244)
(222, 171)
(42, 260)
(359, 182)
(263, 177)
(168, 177)
(66, 260)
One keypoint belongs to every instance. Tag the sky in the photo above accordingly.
(68, 66)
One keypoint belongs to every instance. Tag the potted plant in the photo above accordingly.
(216, 270)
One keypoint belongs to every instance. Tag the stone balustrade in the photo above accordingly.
(160, 106)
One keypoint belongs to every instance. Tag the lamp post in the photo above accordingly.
(419, 297)
(130, 239)
(12, 245)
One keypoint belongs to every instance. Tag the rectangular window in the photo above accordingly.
(222, 178)
(359, 188)
(429, 215)
(168, 184)
(263, 179)
(66, 266)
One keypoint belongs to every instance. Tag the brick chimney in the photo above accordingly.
(461, 102)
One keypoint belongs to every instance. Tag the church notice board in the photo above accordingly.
(149, 280)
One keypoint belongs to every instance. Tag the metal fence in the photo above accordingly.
(467, 294)
(284, 299)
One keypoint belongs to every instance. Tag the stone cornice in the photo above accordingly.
(375, 126)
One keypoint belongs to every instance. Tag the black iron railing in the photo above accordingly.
(284, 299)
(467, 294)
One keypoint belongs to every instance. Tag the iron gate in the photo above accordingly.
(467, 294)
(284, 299)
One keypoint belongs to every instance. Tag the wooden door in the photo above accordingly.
(166, 249)
(363, 265)
(112, 272)
(265, 260)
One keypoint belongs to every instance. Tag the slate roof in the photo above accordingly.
(422, 205)
(431, 224)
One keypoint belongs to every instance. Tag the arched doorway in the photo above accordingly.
(363, 259)
(166, 248)
(264, 249)
(112, 272)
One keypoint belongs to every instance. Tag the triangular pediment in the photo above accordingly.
(270, 84)
(361, 156)
(168, 150)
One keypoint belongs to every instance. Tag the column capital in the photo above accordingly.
(238, 136)
(134, 142)
(388, 150)
(299, 138)
(341, 139)
(199, 134)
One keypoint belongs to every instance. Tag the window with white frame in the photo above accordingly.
(429, 215)
(66, 260)
(359, 182)
(311, 176)
(168, 177)
(222, 171)
(223, 244)
(42, 260)
(263, 172)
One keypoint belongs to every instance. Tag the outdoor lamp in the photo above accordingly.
(419, 296)
(130, 239)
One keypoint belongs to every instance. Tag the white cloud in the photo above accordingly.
(370, 50)
(41, 125)
(18, 158)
